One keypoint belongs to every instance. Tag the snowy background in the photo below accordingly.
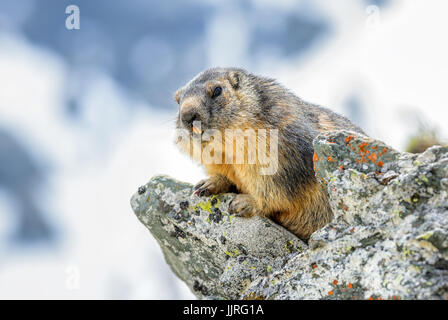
(87, 116)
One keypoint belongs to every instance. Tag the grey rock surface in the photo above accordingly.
(388, 239)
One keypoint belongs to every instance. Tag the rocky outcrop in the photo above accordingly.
(388, 239)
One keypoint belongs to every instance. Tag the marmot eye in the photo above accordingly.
(216, 92)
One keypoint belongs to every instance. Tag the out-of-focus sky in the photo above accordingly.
(87, 116)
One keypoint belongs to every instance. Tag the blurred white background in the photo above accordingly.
(87, 116)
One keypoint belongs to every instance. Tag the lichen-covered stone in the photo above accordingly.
(388, 239)
(215, 253)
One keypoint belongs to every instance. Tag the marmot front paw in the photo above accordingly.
(213, 185)
(243, 205)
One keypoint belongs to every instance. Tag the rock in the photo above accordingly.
(388, 239)
(218, 255)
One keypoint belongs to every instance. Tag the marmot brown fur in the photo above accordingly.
(223, 98)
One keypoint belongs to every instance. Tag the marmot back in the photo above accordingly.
(228, 98)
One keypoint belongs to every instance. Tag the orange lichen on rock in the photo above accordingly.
(349, 138)
(363, 152)
(330, 159)
(315, 159)
(323, 181)
(335, 282)
(330, 292)
(383, 152)
(350, 285)
(362, 147)
(373, 157)
(366, 154)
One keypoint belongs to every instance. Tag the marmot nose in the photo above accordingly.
(188, 117)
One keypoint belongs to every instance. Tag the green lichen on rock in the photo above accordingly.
(388, 239)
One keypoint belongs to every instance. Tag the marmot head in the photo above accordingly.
(219, 98)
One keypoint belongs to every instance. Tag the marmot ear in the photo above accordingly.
(234, 78)
(177, 95)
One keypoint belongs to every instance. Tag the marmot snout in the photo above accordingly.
(230, 98)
